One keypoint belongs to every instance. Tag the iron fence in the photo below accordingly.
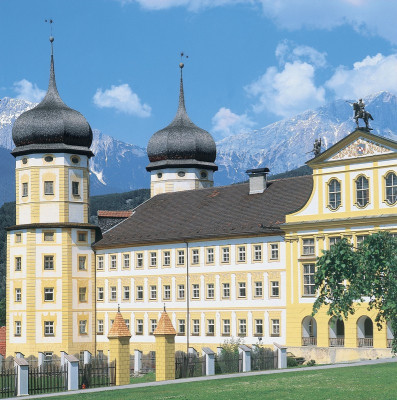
(48, 378)
(263, 359)
(97, 373)
(336, 342)
(148, 362)
(228, 362)
(309, 341)
(8, 380)
(188, 365)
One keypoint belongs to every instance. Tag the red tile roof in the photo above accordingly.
(119, 328)
(114, 214)
(164, 327)
(3, 341)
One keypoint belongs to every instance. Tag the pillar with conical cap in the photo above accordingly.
(182, 155)
(50, 263)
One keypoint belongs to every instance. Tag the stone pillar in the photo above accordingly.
(73, 372)
(246, 357)
(87, 357)
(137, 362)
(165, 349)
(209, 361)
(22, 367)
(40, 360)
(119, 346)
(281, 355)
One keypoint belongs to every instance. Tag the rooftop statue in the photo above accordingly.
(360, 113)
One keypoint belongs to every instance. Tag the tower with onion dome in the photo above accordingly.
(182, 155)
(51, 266)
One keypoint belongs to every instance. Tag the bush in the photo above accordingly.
(291, 362)
(311, 363)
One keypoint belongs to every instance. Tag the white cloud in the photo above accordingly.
(28, 91)
(191, 5)
(372, 74)
(227, 123)
(289, 51)
(123, 99)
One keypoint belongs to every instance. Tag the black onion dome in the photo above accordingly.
(181, 143)
(51, 126)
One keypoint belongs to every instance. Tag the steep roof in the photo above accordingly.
(211, 213)
(164, 326)
(119, 328)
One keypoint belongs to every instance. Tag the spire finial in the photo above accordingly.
(164, 308)
(50, 21)
(181, 94)
(118, 307)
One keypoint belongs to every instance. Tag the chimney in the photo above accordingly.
(258, 179)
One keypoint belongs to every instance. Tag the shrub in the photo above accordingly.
(311, 363)
(291, 362)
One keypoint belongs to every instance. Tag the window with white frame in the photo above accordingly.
(153, 325)
(362, 191)
(18, 237)
(48, 328)
(181, 326)
(274, 251)
(82, 236)
(48, 262)
(83, 326)
(18, 295)
(241, 253)
(333, 240)
(167, 258)
(113, 293)
(18, 263)
(48, 187)
(113, 261)
(48, 236)
(167, 292)
(308, 247)
(100, 326)
(18, 328)
(308, 279)
(242, 291)
(258, 289)
(225, 254)
(226, 290)
(100, 262)
(126, 260)
(210, 291)
(153, 292)
(153, 259)
(226, 326)
(242, 327)
(82, 263)
(139, 260)
(48, 294)
(210, 327)
(75, 188)
(126, 292)
(139, 327)
(391, 187)
(259, 327)
(257, 252)
(25, 189)
(334, 194)
(127, 323)
(139, 292)
(196, 327)
(196, 291)
(210, 255)
(100, 293)
(181, 292)
(275, 327)
(360, 239)
(181, 257)
(195, 256)
(82, 294)
(275, 289)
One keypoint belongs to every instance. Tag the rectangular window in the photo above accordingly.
(100, 295)
(257, 252)
(18, 263)
(210, 255)
(82, 263)
(258, 289)
(308, 247)
(167, 292)
(210, 291)
(225, 254)
(48, 357)
(333, 240)
(83, 326)
(275, 289)
(48, 328)
(196, 291)
(48, 294)
(181, 257)
(181, 326)
(153, 292)
(210, 327)
(139, 292)
(360, 239)
(48, 187)
(195, 256)
(82, 236)
(153, 325)
(308, 279)
(25, 189)
(196, 327)
(126, 260)
(274, 253)
(18, 328)
(75, 188)
(226, 290)
(226, 327)
(113, 293)
(241, 253)
(139, 327)
(82, 294)
(167, 258)
(242, 289)
(153, 259)
(259, 327)
(275, 327)
(127, 323)
(100, 262)
(18, 295)
(100, 327)
(139, 260)
(48, 236)
(126, 292)
(113, 262)
(242, 327)
(48, 262)
(18, 237)
(181, 292)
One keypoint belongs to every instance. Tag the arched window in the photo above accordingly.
(334, 195)
(362, 191)
(391, 188)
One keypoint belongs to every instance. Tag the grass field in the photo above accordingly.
(364, 383)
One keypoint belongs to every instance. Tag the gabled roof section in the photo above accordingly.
(164, 326)
(359, 144)
(210, 213)
(119, 328)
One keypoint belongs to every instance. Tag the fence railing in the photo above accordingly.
(309, 341)
(48, 378)
(365, 342)
(97, 373)
(148, 362)
(8, 381)
(336, 342)
(228, 362)
(263, 359)
(189, 365)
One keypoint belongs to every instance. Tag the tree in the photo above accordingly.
(348, 276)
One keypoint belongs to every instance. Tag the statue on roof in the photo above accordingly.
(360, 113)
(316, 147)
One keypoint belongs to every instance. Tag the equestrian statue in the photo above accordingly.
(360, 113)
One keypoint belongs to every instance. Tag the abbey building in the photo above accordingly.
(231, 261)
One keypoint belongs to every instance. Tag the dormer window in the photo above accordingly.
(334, 194)
(362, 191)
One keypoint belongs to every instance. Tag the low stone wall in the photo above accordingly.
(332, 355)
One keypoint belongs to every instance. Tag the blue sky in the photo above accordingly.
(251, 62)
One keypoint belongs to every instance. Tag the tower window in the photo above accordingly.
(48, 328)
(48, 158)
(24, 160)
(48, 262)
(48, 236)
(75, 160)
(18, 263)
(48, 187)
(159, 175)
(82, 263)
(181, 174)
(83, 294)
(18, 295)
(83, 326)
(82, 236)
(18, 328)
(76, 188)
(203, 175)
(48, 294)
(18, 237)
(25, 189)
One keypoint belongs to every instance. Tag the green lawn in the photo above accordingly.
(364, 383)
